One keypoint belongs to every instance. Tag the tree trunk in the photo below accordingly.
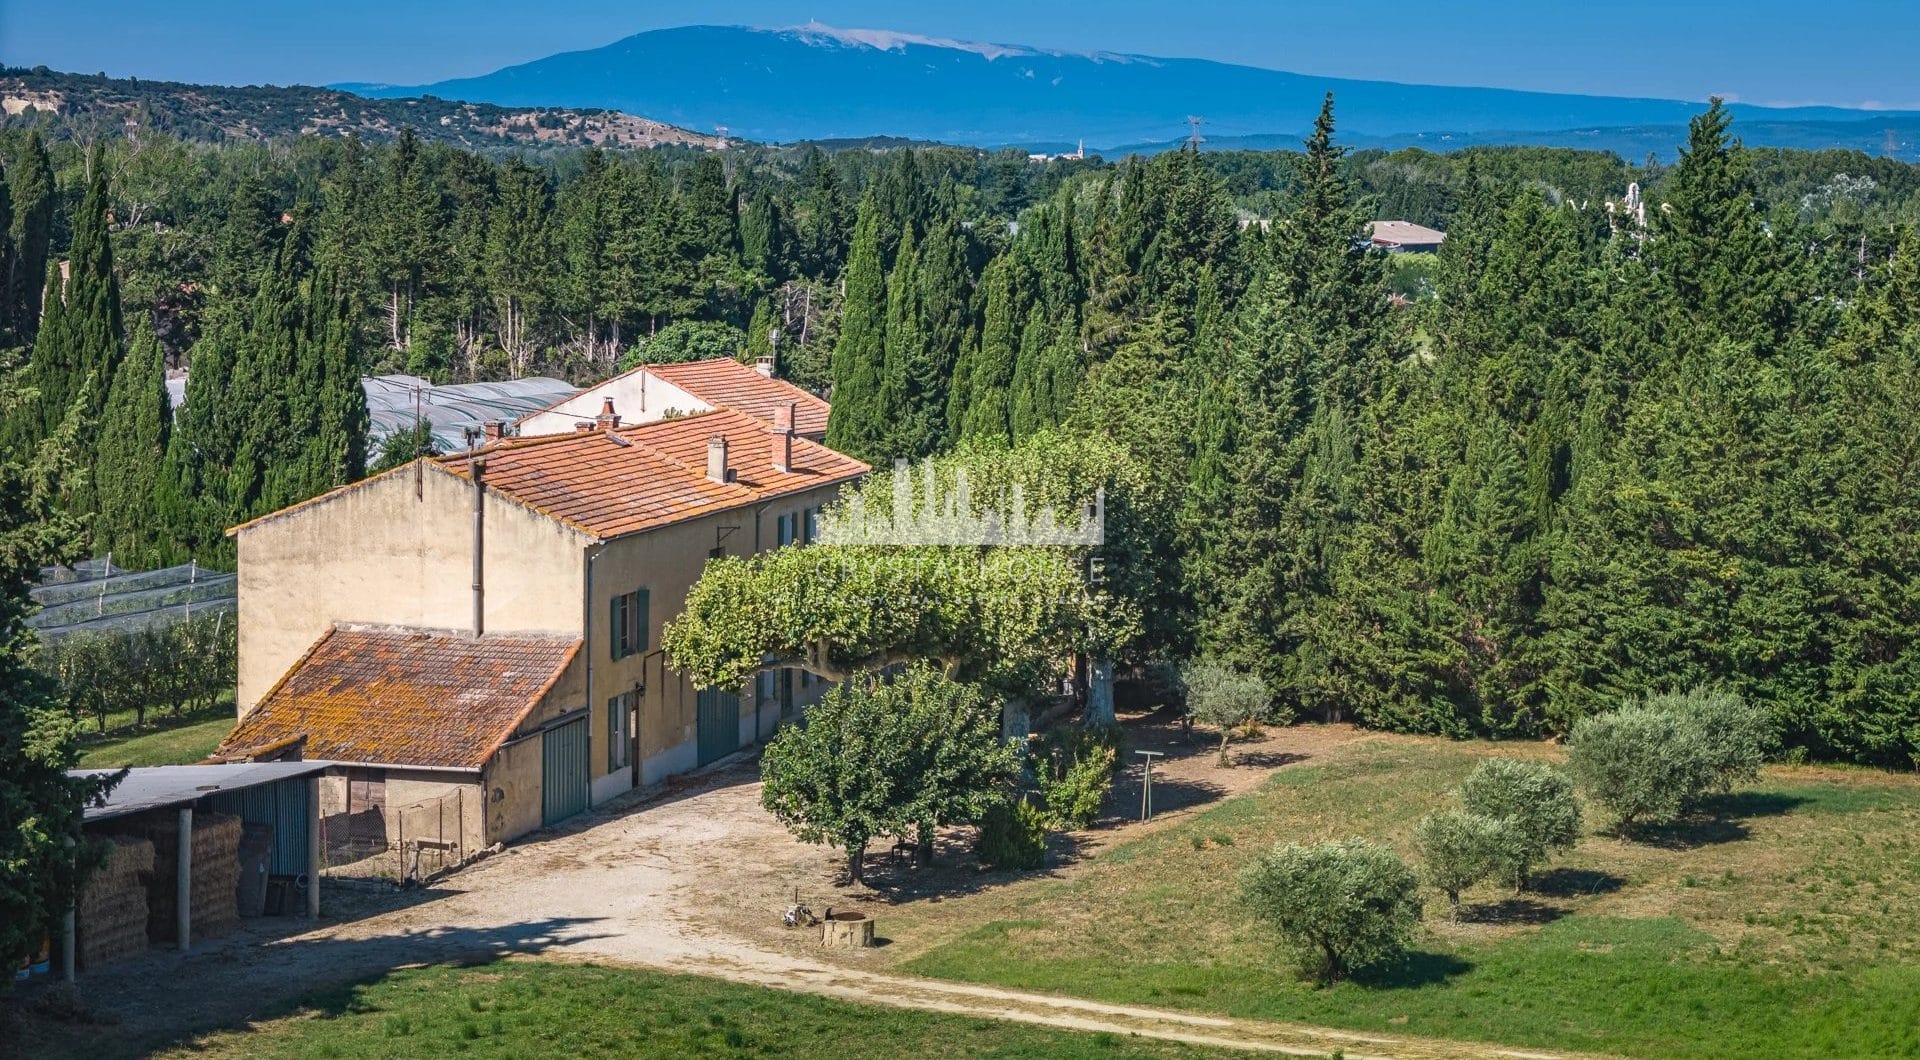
(1226, 736)
(1100, 713)
(856, 862)
(923, 847)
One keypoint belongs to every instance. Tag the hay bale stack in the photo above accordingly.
(216, 876)
(111, 918)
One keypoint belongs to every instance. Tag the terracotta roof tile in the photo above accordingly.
(730, 384)
(405, 697)
(609, 484)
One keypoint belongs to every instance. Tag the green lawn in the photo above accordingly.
(1789, 925)
(163, 742)
(524, 1009)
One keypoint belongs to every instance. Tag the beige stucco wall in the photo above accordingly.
(667, 562)
(638, 397)
(377, 554)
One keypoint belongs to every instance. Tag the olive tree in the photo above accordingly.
(1224, 698)
(1538, 803)
(1651, 761)
(881, 757)
(1340, 907)
(1461, 849)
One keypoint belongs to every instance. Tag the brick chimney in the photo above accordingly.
(608, 420)
(717, 468)
(764, 365)
(783, 437)
(494, 430)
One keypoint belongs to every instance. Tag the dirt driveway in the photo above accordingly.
(693, 881)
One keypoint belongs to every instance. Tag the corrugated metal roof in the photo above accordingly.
(730, 384)
(449, 410)
(160, 787)
(654, 475)
(405, 697)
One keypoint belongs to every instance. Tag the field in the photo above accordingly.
(519, 1009)
(1787, 922)
(163, 741)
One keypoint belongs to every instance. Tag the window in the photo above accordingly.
(619, 734)
(786, 693)
(628, 624)
(809, 526)
(784, 527)
(766, 686)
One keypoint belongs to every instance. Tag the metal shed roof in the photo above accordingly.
(160, 787)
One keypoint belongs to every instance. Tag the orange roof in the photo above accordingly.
(729, 384)
(405, 697)
(613, 483)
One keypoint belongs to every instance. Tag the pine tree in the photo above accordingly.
(1725, 272)
(30, 183)
(406, 242)
(6, 261)
(130, 451)
(856, 426)
(519, 256)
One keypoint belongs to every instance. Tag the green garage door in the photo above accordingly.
(719, 723)
(563, 771)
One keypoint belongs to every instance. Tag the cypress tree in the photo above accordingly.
(130, 452)
(857, 425)
(76, 354)
(6, 261)
(905, 433)
(980, 409)
(30, 182)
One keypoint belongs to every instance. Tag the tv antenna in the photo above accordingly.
(1194, 139)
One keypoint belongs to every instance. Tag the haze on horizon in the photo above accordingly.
(1843, 52)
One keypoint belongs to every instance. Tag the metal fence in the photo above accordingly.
(366, 838)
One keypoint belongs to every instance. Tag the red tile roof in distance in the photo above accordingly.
(405, 697)
(612, 483)
(730, 384)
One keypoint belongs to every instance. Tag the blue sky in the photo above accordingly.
(1849, 52)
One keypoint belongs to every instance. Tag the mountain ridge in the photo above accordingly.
(868, 82)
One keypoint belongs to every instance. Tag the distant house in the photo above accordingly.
(653, 392)
(1405, 237)
(481, 631)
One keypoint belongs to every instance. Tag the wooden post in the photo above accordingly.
(183, 881)
(313, 846)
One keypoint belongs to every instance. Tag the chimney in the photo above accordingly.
(608, 420)
(494, 430)
(783, 437)
(583, 426)
(479, 467)
(764, 365)
(717, 469)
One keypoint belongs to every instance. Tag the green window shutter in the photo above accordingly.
(616, 627)
(642, 619)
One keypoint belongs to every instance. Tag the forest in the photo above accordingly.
(1590, 453)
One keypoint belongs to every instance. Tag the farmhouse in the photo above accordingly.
(477, 636)
(654, 392)
(1405, 237)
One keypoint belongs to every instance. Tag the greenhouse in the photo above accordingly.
(95, 596)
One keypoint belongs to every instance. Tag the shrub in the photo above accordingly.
(1633, 761)
(1013, 835)
(1652, 760)
(1340, 907)
(1074, 771)
(1224, 698)
(1536, 799)
(1463, 848)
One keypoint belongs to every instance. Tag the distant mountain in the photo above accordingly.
(267, 112)
(818, 82)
